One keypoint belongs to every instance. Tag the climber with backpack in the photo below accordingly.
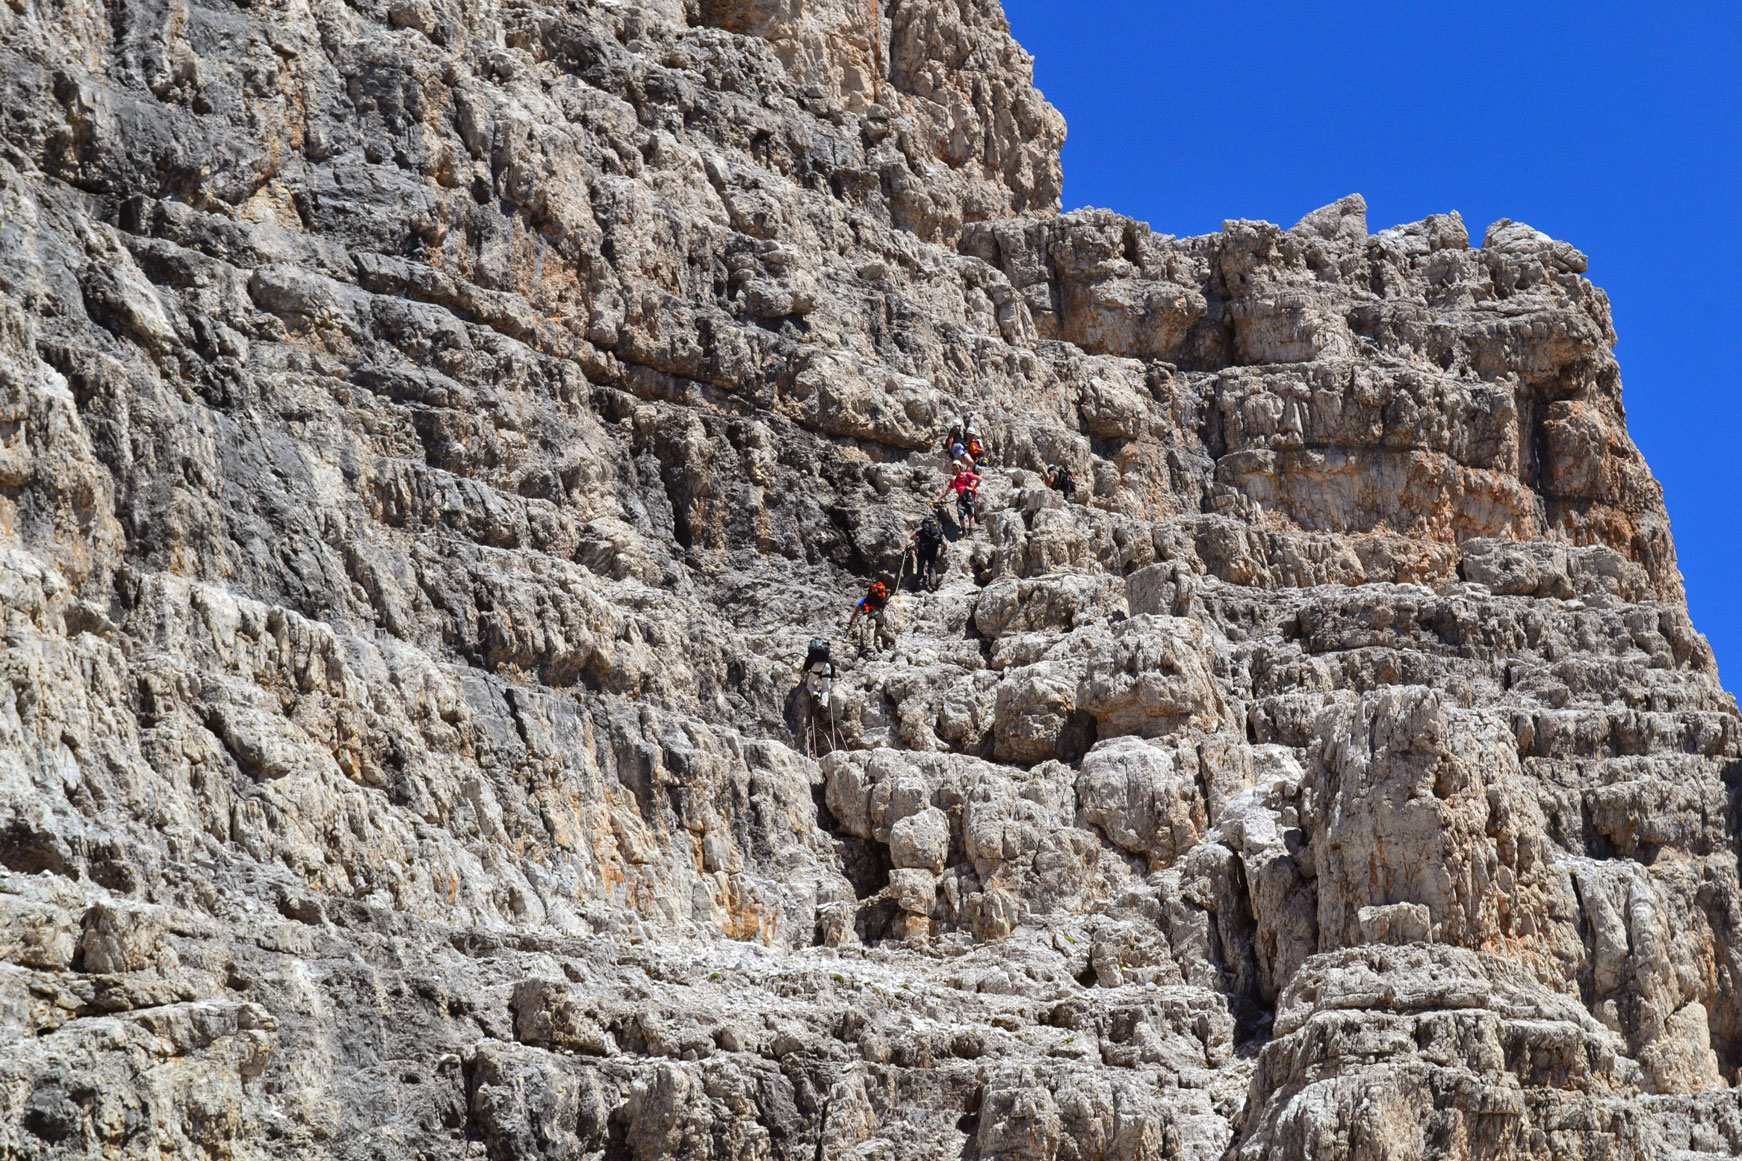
(874, 607)
(956, 441)
(819, 677)
(966, 485)
(926, 548)
(975, 448)
(965, 447)
(956, 445)
(1059, 479)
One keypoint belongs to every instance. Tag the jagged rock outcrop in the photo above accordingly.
(430, 436)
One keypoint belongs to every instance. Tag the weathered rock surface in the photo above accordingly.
(430, 435)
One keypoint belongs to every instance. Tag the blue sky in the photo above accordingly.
(1617, 127)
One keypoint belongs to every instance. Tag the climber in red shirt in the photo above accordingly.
(966, 485)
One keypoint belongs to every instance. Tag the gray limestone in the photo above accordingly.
(430, 437)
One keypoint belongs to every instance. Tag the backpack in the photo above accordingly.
(976, 448)
(931, 533)
(878, 596)
(1063, 480)
(818, 655)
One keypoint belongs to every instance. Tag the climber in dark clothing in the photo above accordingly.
(1059, 479)
(926, 547)
(956, 441)
(874, 608)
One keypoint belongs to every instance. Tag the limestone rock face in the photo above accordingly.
(432, 434)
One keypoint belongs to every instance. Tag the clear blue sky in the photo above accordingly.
(1617, 127)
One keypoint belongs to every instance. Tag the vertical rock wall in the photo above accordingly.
(430, 436)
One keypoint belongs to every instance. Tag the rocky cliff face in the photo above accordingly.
(430, 435)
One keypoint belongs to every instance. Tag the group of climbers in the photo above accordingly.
(966, 454)
(963, 445)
